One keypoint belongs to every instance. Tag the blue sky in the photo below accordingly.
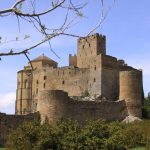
(127, 28)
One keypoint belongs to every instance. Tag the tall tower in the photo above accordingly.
(88, 48)
(131, 90)
(23, 93)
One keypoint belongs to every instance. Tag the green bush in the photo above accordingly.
(85, 94)
(146, 108)
(70, 135)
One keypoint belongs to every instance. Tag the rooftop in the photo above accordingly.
(42, 58)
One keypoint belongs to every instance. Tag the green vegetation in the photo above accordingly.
(146, 108)
(69, 134)
(85, 94)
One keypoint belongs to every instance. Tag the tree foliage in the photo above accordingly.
(146, 108)
(69, 134)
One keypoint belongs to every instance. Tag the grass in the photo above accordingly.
(2, 148)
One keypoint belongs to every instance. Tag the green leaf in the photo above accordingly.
(17, 38)
(80, 14)
(26, 37)
(20, 6)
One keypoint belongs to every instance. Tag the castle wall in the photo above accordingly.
(56, 104)
(8, 122)
(131, 91)
(110, 77)
(23, 92)
(70, 79)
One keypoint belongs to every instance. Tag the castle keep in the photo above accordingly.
(115, 89)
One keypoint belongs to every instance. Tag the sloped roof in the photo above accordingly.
(42, 58)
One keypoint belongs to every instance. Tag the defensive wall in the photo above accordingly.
(56, 104)
(8, 122)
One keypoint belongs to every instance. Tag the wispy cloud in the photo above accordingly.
(7, 101)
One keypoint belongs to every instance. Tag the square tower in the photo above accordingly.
(88, 48)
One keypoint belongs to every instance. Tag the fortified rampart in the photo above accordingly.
(8, 122)
(56, 104)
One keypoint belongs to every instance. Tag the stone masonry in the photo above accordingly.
(51, 90)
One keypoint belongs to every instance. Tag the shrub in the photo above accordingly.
(69, 134)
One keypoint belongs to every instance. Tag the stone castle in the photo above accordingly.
(94, 85)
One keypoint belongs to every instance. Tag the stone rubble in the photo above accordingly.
(90, 98)
(130, 119)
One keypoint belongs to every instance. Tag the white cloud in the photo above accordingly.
(7, 100)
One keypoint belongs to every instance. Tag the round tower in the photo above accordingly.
(23, 94)
(51, 104)
(131, 91)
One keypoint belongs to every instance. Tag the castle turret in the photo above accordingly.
(43, 61)
(53, 105)
(72, 60)
(23, 94)
(88, 48)
(131, 91)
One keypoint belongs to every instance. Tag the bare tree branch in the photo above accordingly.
(102, 18)
(48, 33)
(38, 44)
